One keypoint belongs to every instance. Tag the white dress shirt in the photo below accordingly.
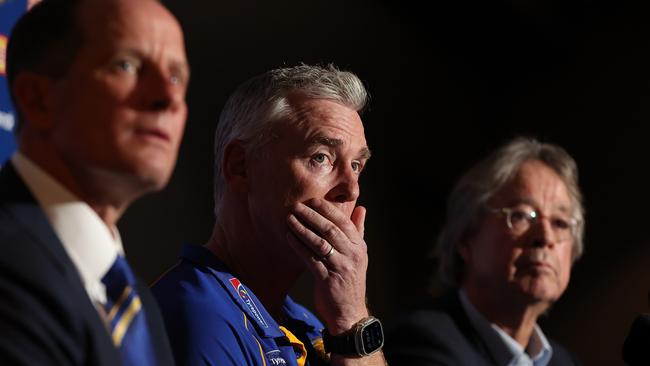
(508, 352)
(87, 240)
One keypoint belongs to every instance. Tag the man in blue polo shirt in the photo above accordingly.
(289, 149)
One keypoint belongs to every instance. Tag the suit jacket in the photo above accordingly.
(46, 316)
(441, 334)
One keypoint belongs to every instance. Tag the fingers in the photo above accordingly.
(330, 223)
(325, 237)
(319, 246)
(330, 241)
(329, 253)
(315, 266)
(359, 219)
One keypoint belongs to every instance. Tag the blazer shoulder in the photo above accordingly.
(435, 334)
(47, 317)
(562, 356)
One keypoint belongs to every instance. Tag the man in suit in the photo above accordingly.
(99, 87)
(514, 229)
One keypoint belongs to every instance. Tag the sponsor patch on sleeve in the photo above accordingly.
(248, 301)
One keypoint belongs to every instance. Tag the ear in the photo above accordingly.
(234, 166)
(34, 98)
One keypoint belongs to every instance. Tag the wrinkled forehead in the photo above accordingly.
(538, 185)
(329, 123)
(141, 27)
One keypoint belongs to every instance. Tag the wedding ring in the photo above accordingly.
(324, 258)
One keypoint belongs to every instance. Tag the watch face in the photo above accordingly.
(372, 337)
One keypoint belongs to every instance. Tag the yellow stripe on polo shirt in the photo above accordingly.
(297, 345)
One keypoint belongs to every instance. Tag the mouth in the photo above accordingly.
(153, 134)
(538, 267)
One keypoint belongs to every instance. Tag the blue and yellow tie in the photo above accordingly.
(128, 325)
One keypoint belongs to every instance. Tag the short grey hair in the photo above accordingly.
(254, 108)
(478, 185)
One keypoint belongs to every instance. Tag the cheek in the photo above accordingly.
(76, 130)
(492, 252)
(97, 118)
(564, 259)
(293, 194)
(506, 253)
(178, 129)
(502, 247)
(97, 95)
(304, 183)
(302, 187)
(276, 184)
(181, 120)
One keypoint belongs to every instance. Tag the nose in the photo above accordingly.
(162, 92)
(543, 234)
(346, 188)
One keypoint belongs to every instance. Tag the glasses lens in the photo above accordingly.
(563, 227)
(519, 219)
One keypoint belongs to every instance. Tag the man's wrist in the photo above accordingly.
(344, 325)
(363, 339)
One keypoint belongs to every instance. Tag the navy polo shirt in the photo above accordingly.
(214, 319)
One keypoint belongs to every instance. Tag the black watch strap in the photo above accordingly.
(341, 344)
(364, 339)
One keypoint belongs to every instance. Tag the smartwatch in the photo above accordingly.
(365, 338)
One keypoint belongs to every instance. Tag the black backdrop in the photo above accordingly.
(449, 82)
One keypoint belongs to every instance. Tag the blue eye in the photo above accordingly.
(319, 158)
(356, 166)
(127, 65)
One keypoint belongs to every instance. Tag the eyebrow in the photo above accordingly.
(364, 153)
(181, 65)
(528, 201)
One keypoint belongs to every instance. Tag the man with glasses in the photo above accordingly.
(514, 229)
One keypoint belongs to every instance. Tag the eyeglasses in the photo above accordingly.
(521, 218)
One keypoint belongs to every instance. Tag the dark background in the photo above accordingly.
(449, 81)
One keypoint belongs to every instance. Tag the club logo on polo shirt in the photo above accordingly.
(248, 301)
(275, 358)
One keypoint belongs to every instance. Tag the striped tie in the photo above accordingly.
(128, 323)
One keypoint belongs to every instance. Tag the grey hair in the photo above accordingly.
(478, 185)
(254, 108)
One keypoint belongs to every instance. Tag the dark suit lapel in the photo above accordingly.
(17, 201)
(456, 310)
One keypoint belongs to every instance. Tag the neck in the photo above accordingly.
(105, 193)
(516, 318)
(269, 276)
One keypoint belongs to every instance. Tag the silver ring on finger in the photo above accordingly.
(329, 253)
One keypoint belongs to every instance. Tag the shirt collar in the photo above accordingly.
(90, 244)
(538, 352)
(301, 320)
(239, 293)
(504, 348)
